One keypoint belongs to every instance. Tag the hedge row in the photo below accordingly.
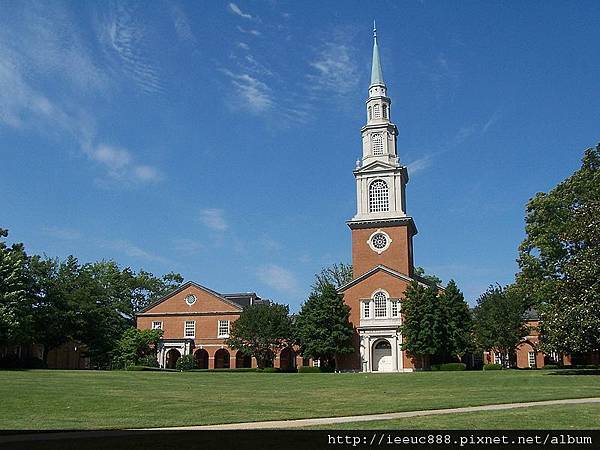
(449, 367)
(492, 367)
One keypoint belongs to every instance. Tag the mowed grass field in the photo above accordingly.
(553, 417)
(56, 399)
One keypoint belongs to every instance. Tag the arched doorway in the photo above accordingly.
(201, 357)
(287, 359)
(243, 360)
(382, 356)
(222, 359)
(172, 356)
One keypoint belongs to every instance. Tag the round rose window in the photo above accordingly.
(379, 241)
(190, 299)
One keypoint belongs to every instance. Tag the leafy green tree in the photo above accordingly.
(136, 346)
(15, 300)
(560, 259)
(262, 330)
(420, 272)
(422, 327)
(336, 275)
(498, 320)
(457, 323)
(322, 327)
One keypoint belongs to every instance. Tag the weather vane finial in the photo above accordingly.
(374, 30)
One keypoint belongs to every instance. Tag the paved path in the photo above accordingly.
(367, 418)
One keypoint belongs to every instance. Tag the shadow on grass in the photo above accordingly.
(576, 372)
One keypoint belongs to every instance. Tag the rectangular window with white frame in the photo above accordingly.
(366, 309)
(531, 360)
(497, 358)
(395, 308)
(157, 325)
(189, 330)
(223, 328)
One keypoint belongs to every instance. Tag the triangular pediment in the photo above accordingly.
(377, 165)
(203, 294)
(387, 270)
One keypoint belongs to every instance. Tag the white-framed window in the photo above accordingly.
(366, 309)
(531, 359)
(380, 304)
(157, 325)
(370, 113)
(497, 358)
(385, 111)
(379, 196)
(189, 329)
(190, 299)
(223, 328)
(395, 308)
(377, 142)
(376, 111)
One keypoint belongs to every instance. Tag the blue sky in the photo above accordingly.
(218, 139)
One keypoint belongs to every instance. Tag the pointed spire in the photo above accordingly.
(376, 72)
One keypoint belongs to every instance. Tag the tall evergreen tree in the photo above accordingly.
(322, 326)
(457, 334)
(422, 327)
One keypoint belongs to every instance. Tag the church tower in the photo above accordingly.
(382, 233)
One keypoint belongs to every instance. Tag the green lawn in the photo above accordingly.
(555, 417)
(46, 399)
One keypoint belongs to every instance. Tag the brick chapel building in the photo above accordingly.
(382, 247)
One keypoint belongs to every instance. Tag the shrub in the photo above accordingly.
(148, 361)
(309, 369)
(551, 366)
(271, 370)
(149, 369)
(492, 367)
(186, 362)
(232, 369)
(449, 367)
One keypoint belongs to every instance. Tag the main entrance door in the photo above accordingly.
(382, 357)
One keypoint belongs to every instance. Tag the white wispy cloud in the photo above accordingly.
(235, 9)
(249, 31)
(120, 165)
(125, 39)
(187, 246)
(419, 164)
(278, 278)
(334, 66)
(491, 121)
(64, 234)
(214, 219)
(243, 45)
(253, 94)
(132, 250)
(182, 24)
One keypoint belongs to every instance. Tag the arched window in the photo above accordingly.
(378, 196)
(376, 112)
(385, 111)
(380, 301)
(370, 113)
(377, 142)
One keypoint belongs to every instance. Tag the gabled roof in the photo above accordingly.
(378, 164)
(185, 286)
(391, 272)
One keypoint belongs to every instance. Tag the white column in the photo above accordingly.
(369, 368)
(401, 355)
(395, 354)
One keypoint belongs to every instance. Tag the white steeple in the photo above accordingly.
(380, 179)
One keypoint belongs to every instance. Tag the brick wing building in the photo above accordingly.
(196, 321)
